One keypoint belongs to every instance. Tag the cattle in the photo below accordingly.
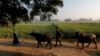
(86, 38)
(42, 38)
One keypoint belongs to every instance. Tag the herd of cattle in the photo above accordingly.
(81, 38)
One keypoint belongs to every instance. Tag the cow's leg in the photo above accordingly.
(88, 44)
(38, 44)
(50, 45)
(41, 44)
(46, 44)
(95, 44)
(77, 44)
(82, 46)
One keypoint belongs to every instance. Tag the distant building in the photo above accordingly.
(55, 20)
(99, 19)
(68, 19)
(84, 19)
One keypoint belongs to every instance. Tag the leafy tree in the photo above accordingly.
(11, 10)
(45, 8)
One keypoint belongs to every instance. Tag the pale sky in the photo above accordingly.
(76, 9)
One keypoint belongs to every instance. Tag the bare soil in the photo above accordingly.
(28, 47)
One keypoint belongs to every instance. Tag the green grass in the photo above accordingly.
(83, 27)
(71, 28)
(47, 27)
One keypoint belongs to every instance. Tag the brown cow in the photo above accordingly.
(86, 38)
(42, 38)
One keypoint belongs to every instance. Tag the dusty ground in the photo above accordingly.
(28, 48)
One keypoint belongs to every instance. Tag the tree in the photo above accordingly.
(45, 8)
(11, 10)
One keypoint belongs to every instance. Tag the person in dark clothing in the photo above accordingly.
(15, 38)
(58, 35)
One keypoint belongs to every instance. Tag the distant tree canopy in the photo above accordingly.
(68, 19)
(11, 10)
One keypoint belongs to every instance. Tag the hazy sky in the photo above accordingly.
(76, 9)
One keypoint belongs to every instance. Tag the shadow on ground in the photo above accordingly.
(93, 52)
(32, 44)
(24, 44)
(9, 53)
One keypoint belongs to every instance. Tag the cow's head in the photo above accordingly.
(32, 33)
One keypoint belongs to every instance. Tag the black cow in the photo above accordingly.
(86, 38)
(42, 38)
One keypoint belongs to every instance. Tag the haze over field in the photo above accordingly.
(76, 9)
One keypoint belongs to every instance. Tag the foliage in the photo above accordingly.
(46, 8)
(11, 10)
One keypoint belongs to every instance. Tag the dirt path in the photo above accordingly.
(28, 48)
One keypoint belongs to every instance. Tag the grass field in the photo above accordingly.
(68, 28)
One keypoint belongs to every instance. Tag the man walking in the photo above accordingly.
(58, 35)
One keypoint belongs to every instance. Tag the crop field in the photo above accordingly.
(71, 28)
(68, 28)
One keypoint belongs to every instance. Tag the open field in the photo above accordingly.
(28, 48)
(68, 28)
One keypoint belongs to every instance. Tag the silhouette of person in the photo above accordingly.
(58, 35)
(15, 37)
